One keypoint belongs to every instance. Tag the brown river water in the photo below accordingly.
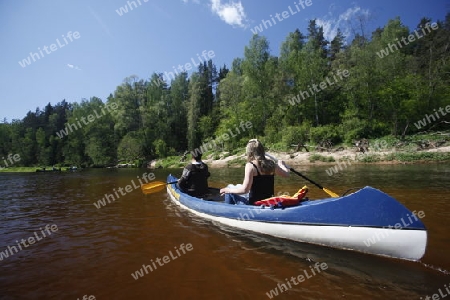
(72, 249)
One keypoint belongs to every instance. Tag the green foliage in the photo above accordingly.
(161, 149)
(326, 132)
(292, 135)
(276, 147)
(130, 147)
(317, 157)
(19, 170)
(206, 126)
(171, 162)
(369, 158)
(381, 95)
(237, 162)
(418, 156)
(352, 126)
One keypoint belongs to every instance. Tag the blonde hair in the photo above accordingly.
(255, 151)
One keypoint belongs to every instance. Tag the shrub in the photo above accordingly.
(160, 148)
(424, 156)
(326, 132)
(317, 157)
(370, 158)
(296, 134)
(352, 127)
(239, 161)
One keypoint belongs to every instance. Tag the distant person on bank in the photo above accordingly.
(258, 178)
(194, 179)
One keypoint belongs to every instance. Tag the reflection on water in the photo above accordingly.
(95, 251)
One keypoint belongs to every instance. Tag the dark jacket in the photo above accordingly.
(194, 180)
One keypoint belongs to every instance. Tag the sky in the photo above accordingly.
(56, 50)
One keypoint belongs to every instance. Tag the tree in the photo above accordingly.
(317, 39)
(257, 83)
(130, 148)
(337, 45)
(193, 111)
(5, 139)
(155, 113)
(129, 97)
(91, 141)
(177, 120)
(390, 85)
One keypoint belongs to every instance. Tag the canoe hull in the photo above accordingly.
(407, 243)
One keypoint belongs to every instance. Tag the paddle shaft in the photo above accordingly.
(293, 171)
(154, 187)
(304, 177)
(332, 194)
(156, 184)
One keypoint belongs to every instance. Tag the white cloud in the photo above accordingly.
(232, 13)
(344, 21)
(73, 67)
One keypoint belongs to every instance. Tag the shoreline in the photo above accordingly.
(392, 157)
(313, 158)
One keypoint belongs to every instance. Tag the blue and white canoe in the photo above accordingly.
(367, 220)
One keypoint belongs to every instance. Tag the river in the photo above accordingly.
(72, 249)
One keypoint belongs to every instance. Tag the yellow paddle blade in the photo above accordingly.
(334, 195)
(153, 187)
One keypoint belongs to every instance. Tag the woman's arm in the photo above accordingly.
(246, 185)
(281, 169)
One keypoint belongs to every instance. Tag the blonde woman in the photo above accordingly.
(258, 178)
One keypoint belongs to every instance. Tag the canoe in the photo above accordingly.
(368, 221)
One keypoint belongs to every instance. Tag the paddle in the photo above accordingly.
(332, 194)
(154, 187)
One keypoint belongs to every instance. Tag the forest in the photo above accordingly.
(372, 86)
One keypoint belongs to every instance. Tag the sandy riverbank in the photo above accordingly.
(314, 158)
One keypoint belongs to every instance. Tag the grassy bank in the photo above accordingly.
(26, 169)
(18, 170)
(411, 149)
(425, 148)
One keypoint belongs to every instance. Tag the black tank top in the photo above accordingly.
(262, 187)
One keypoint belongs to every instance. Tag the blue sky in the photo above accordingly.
(95, 48)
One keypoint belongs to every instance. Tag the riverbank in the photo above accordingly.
(18, 170)
(346, 155)
(418, 148)
(415, 149)
(32, 169)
